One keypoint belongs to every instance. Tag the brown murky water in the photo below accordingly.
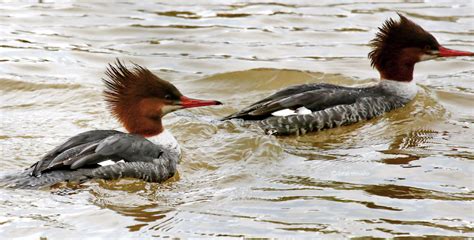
(409, 172)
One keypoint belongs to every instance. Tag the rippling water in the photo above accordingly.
(409, 172)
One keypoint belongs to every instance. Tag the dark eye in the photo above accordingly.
(168, 97)
(427, 48)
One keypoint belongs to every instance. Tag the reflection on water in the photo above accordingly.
(407, 173)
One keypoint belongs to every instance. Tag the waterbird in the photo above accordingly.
(138, 99)
(299, 109)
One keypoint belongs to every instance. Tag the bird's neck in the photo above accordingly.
(399, 65)
(147, 127)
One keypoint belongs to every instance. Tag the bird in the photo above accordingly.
(139, 100)
(396, 48)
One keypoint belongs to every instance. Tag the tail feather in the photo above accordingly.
(25, 180)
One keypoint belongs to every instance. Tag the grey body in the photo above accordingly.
(331, 106)
(79, 157)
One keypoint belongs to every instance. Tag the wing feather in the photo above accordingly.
(314, 97)
(77, 143)
(88, 149)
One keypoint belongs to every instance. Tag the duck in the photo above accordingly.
(396, 48)
(139, 100)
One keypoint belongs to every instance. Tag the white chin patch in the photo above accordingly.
(170, 108)
(109, 162)
(426, 57)
(288, 112)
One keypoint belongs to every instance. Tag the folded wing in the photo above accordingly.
(314, 97)
(88, 149)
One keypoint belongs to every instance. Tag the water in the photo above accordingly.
(409, 172)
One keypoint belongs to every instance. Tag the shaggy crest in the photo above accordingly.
(125, 88)
(393, 36)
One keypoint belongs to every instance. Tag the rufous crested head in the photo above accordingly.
(400, 44)
(139, 99)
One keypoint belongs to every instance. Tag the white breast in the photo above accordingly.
(168, 142)
(403, 89)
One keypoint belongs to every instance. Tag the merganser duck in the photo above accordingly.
(312, 107)
(138, 99)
